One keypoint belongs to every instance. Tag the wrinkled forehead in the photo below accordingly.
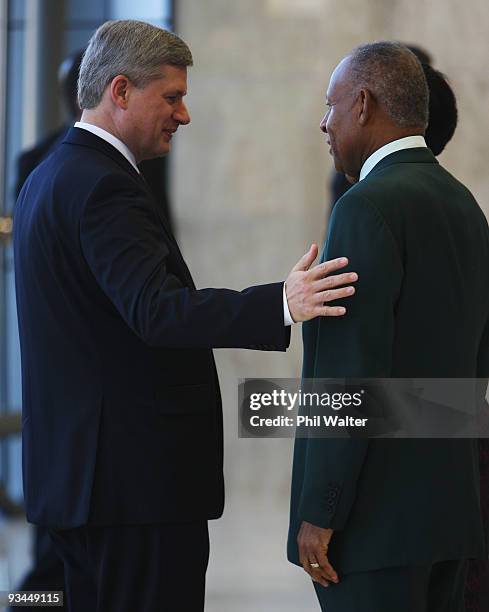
(339, 81)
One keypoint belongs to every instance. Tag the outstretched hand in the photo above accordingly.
(308, 289)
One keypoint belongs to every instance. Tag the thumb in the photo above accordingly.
(306, 260)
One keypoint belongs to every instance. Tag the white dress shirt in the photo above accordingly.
(122, 148)
(409, 142)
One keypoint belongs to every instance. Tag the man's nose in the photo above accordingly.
(322, 125)
(182, 115)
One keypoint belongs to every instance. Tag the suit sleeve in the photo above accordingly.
(124, 246)
(358, 345)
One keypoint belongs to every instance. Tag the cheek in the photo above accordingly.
(141, 122)
(152, 125)
(331, 126)
(338, 131)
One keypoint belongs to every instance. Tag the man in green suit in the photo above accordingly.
(387, 525)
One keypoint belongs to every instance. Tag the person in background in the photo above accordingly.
(67, 78)
(443, 112)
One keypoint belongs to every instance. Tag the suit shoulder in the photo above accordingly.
(87, 169)
(357, 205)
(416, 191)
(375, 190)
(362, 213)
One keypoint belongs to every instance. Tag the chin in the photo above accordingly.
(161, 152)
(164, 150)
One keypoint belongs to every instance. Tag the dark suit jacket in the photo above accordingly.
(121, 406)
(420, 244)
(155, 171)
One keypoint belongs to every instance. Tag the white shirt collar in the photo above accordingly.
(111, 139)
(409, 142)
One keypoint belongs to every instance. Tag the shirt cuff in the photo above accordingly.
(288, 320)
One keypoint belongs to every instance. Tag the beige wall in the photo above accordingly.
(250, 190)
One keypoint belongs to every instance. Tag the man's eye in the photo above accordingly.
(171, 99)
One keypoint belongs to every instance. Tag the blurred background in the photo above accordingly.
(247, 185)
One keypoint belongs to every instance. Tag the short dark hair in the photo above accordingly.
(443, 110)
(133, 48)
(395, 78)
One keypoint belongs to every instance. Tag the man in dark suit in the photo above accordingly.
(122, 419)
(389, 524)
(47, 572)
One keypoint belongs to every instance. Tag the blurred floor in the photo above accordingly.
(248, 571)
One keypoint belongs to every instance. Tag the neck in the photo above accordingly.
(102, 120)
(105, 120)
(379, 140)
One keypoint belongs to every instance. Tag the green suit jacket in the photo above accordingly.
(420, 244)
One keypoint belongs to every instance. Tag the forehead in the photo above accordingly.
(172, 77)
(339, 79)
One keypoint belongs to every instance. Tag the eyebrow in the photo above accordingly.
(176, 92)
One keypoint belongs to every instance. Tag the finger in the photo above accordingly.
(329, 311)
(306, 565)
(327, 573)
(334, 294)
(324, 576)
(335, 280)
(323, 269)
(307, 559)
(316, 573)
(306, 260)
(317, 577)
(327, 570)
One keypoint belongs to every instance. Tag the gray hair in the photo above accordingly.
(395, 77)
(133, 48)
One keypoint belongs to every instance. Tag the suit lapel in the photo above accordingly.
(172, 242)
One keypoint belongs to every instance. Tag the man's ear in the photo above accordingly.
(366, 107)
(119, 91)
